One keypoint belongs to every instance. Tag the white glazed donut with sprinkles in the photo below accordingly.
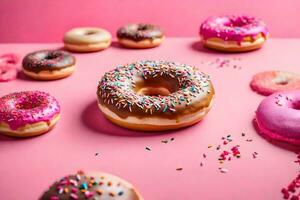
(155, 95)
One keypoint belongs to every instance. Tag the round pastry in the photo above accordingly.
(8, 73)
(8, 67)
(155, 95)
(9, 59)
(140, 36)
(269, 82)
(92, 185)
(48, 64)
(87, 39)
(30, 113)
(278, 117)
(233, 33)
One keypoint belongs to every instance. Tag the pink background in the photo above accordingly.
(47, 20)
(28, 166)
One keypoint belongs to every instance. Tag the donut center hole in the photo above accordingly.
(237, 23)
(90, 32)
(281, 81)
(157, 86)
(142, 28)
(50, 57)
(28, 103)
(154, 91)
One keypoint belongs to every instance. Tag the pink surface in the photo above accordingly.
(28, 166)
(46, 21)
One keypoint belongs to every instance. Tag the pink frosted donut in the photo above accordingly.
(30, 113)
(269, 82)
(278, 117)
(233, 33)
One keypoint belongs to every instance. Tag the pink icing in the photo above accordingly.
(278, 116)
(232, 27)
(21, 108)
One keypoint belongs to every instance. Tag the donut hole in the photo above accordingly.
(281, 81)
(50, 57)
(160, 86)
(238, 22)
(154, 91)
(90, 32)
(28, 103)
(142, 28)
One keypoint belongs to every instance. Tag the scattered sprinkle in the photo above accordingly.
(223, 170)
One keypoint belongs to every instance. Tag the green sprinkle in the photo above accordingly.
(165, 108)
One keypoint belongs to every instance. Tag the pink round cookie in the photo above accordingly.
(269, 82)
(29, 113)
(278, 117)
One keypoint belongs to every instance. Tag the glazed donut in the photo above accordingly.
(48, 64)
(140, 36)
(278, 117)
(29, 113)
(233, 33)
(155, 95)
(87, 39)
(269, 82)
(92, 185)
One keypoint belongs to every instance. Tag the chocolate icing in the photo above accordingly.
(48, 60)
(190, 90)
(138, 32)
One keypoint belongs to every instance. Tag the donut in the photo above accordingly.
(29, 113)
(278, 117)
(269, 82)
(91, 185)
(87, 39)
(155, 95)
(8, 67)
(140, 36)
(8, 73)
(233, 33)
(9, 59)
(48, 64)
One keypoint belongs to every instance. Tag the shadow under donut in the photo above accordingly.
(93, 119)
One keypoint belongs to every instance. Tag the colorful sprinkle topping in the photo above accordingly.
(117, 87)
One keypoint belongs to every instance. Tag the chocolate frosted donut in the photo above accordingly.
(98, 186)
(48, 64)
(155, 95)
(140, 35)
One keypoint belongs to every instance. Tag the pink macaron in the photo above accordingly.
(269, 82)
(278, 117)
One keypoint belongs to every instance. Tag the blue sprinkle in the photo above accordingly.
(84, 186)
